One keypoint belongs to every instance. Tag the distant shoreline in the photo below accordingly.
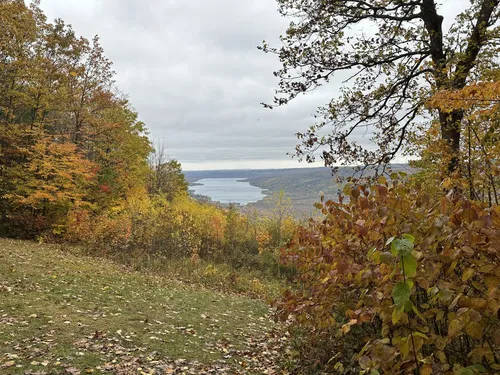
(239, 191)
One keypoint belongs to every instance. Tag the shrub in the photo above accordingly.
(405, 281)
(180, 237)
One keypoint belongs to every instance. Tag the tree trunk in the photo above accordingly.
(450, 132)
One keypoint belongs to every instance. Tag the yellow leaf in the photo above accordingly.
(405, 347)
(446, 183)
(419, 314)
(475, 331)
(346, 328)
(487, 268)
(492, 281)
(426, 370)
(468, 274)
(454, 328)
(397, 313)
(452, 267)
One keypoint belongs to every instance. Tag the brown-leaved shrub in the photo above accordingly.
(396, 281)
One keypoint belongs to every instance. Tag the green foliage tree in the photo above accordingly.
(394, 55)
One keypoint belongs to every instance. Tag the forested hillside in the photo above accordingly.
(303, 186)
(76, 163)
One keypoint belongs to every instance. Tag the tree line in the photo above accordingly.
(77, 165)
(69, 138)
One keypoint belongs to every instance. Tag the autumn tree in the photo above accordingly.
(281, 211)
(480, 103)
(165, 174)
(68, 138)
(391, 55)
(231, 232)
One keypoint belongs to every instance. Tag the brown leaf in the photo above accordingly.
(496, 337)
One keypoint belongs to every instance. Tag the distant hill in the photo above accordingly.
(302, 185)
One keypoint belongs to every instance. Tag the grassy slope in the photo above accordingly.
(64, 313)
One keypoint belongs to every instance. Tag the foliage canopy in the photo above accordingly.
(393, 55)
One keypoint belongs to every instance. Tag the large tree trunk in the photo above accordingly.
(451, 122)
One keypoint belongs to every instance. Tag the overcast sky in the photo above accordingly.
(192, 70)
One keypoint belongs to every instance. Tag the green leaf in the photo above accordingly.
(470, 370)
(478, 368)
(408, 305)
(403, 246)
(464, 371)
(394, 250)
(409, 237)
(410, 265)
(401, 293)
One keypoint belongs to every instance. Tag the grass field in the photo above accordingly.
(63, 313)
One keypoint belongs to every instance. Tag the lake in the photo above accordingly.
(228, 190)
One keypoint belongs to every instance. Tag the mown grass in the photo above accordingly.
(61, 312)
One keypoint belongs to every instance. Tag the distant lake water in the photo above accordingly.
(228, 190)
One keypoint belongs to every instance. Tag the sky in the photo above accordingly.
(192, 70)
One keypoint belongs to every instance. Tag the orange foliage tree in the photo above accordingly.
(68, 141)
(479, 172)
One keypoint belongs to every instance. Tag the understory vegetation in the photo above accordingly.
(396, 280)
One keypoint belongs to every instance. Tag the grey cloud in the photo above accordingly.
(192, 70)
